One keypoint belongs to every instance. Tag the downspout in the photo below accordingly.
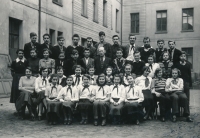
(121, 19)
(72, 17)
(39, 22)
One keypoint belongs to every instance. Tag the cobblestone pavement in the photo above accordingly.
(10, 126)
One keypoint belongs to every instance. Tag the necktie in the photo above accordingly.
(101, 60)
(101, 87)
(150, 65)
(174, 81)
(77, 81)
(53, 87)
(116, 86)
(146, 82)
(44, 81)
(69, 88)
(85, 87)
(132, 47)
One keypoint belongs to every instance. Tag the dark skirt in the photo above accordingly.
(148, 98)
(116, 110)
(69, 104)
(132, 108)
(84, 104)
(23, 97)
(54, 106)
(15, 88)
(40, 97)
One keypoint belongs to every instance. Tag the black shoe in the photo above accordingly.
(65, 122)
(146, 117)
(163, 119)
(32, 118)
(85, 122)
(39, 118)
(173, 118)
(137, 122)
(69, 122)
(82, 122)
(188, 119)
(103, 122)
(95, 122)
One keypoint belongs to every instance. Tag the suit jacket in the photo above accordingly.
(97, 65)
(28, 47)
(126, 50)
(56, 51)
(176, 56)
(92, 51)
(58, 63)
(107, 47)
(69, 49)
(90, 63)
(42, 47)
(70, 64)
(114, 50)
(118, 66)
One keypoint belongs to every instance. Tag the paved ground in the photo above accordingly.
(10, 126)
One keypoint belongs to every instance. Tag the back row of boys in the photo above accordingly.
(110, 55)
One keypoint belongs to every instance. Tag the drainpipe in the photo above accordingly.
(121, 19)
(72, 17)
(39, 22)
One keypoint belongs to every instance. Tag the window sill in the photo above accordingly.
(95, 21)
(187, 31)
(135, 33)
(59, 4)
(161, 32)
(84, 16)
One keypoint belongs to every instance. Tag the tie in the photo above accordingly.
(130, 88)
(53, 87)
(69, 88)
(101, 60)
(174, 81)
(132, 47)
(150, 65)
(85, 87)
(77, 81)
(44, 81)
(146, 82)
(101, 87)
(116, 86)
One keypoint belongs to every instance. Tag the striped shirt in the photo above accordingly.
(159, 84)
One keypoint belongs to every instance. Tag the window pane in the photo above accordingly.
(16, 41)
(159, 15)
(164, 15)
(158, 24)
(164, 24)
(185, 13)
(190, 12)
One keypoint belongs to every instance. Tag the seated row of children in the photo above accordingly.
(101, 95)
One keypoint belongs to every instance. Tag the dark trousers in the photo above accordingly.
(179, 99)
(164, 103)
(187, 90)
(100, 106)
(148, 102)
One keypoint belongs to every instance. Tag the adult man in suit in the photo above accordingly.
(104, 44)
(101, 62)
(87, 62)
(174, 53)
(70, 48)
(31, 45)
(90, 47)
(46, 44)
(56, 50)
(130, 48)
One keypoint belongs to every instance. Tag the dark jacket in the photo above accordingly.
(56, 51)
(176, 56)
(126, 50)
(107, 47)
(97, 65)
(28, 47)
(90, 63)
(42, 47)
(69, 49)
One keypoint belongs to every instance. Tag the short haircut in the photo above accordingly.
(151, 57)
(117, 75)
(29, 68)
(60, 37)
(33, 34)
(145, 68)
(74, 51)
(175, 69)
(137, 52)
(89, 38)
(171, 41)
(107, 68)
(146, 38)
(52, 76)
(62, 53)
(69, 77)
(119, 49)
(115, 36)
(42, 69)
(131, 35)
(75, 35)
(164, 52)
(101, 75)
(46, 49)
(102, 33)
(59, 68)
(18, 50)
(183, 52)
(76, 67)
(133, 75)
(160, 40)
(157, 71)
(34, 49)
(46, 35)
(128, 65)
(86, 49)
(86, 75)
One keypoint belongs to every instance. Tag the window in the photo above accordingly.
(117, 21)
(84, 42)
(189, 57)
(135, 23)
(95, 11)
(105, 13)
(58, 2)
(187, 19)
(84, 8)
(14, 28)
(161, 23)
(52, 36)
(111, 17)
(60, 33)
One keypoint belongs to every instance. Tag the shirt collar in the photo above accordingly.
(138, 61)
(22, 60)
(160, 50)
(133, 45)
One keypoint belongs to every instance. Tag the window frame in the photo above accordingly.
(58, 3)
(161, 31)
(95, 11)
(116, 21)
(137, 13)
(188, 30)
(84, 8)
(105, 11)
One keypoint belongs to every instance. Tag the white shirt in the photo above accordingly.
(137, 95)
(117, 94)
(40, 85)
(85, 93)
(131, 53)
(101, 92)
(66, 94)
(153, 69)
(52, 92)
(140, 81)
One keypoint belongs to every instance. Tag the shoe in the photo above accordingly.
(137, 122)
(39, 118)
(146, 117)
(65, 122)
(82, 121)
(95, 122)
(163, 119)
(69, 122)
(188, 119)
(85, 122)
(32, 118)
(103, 122)
(173, 118)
